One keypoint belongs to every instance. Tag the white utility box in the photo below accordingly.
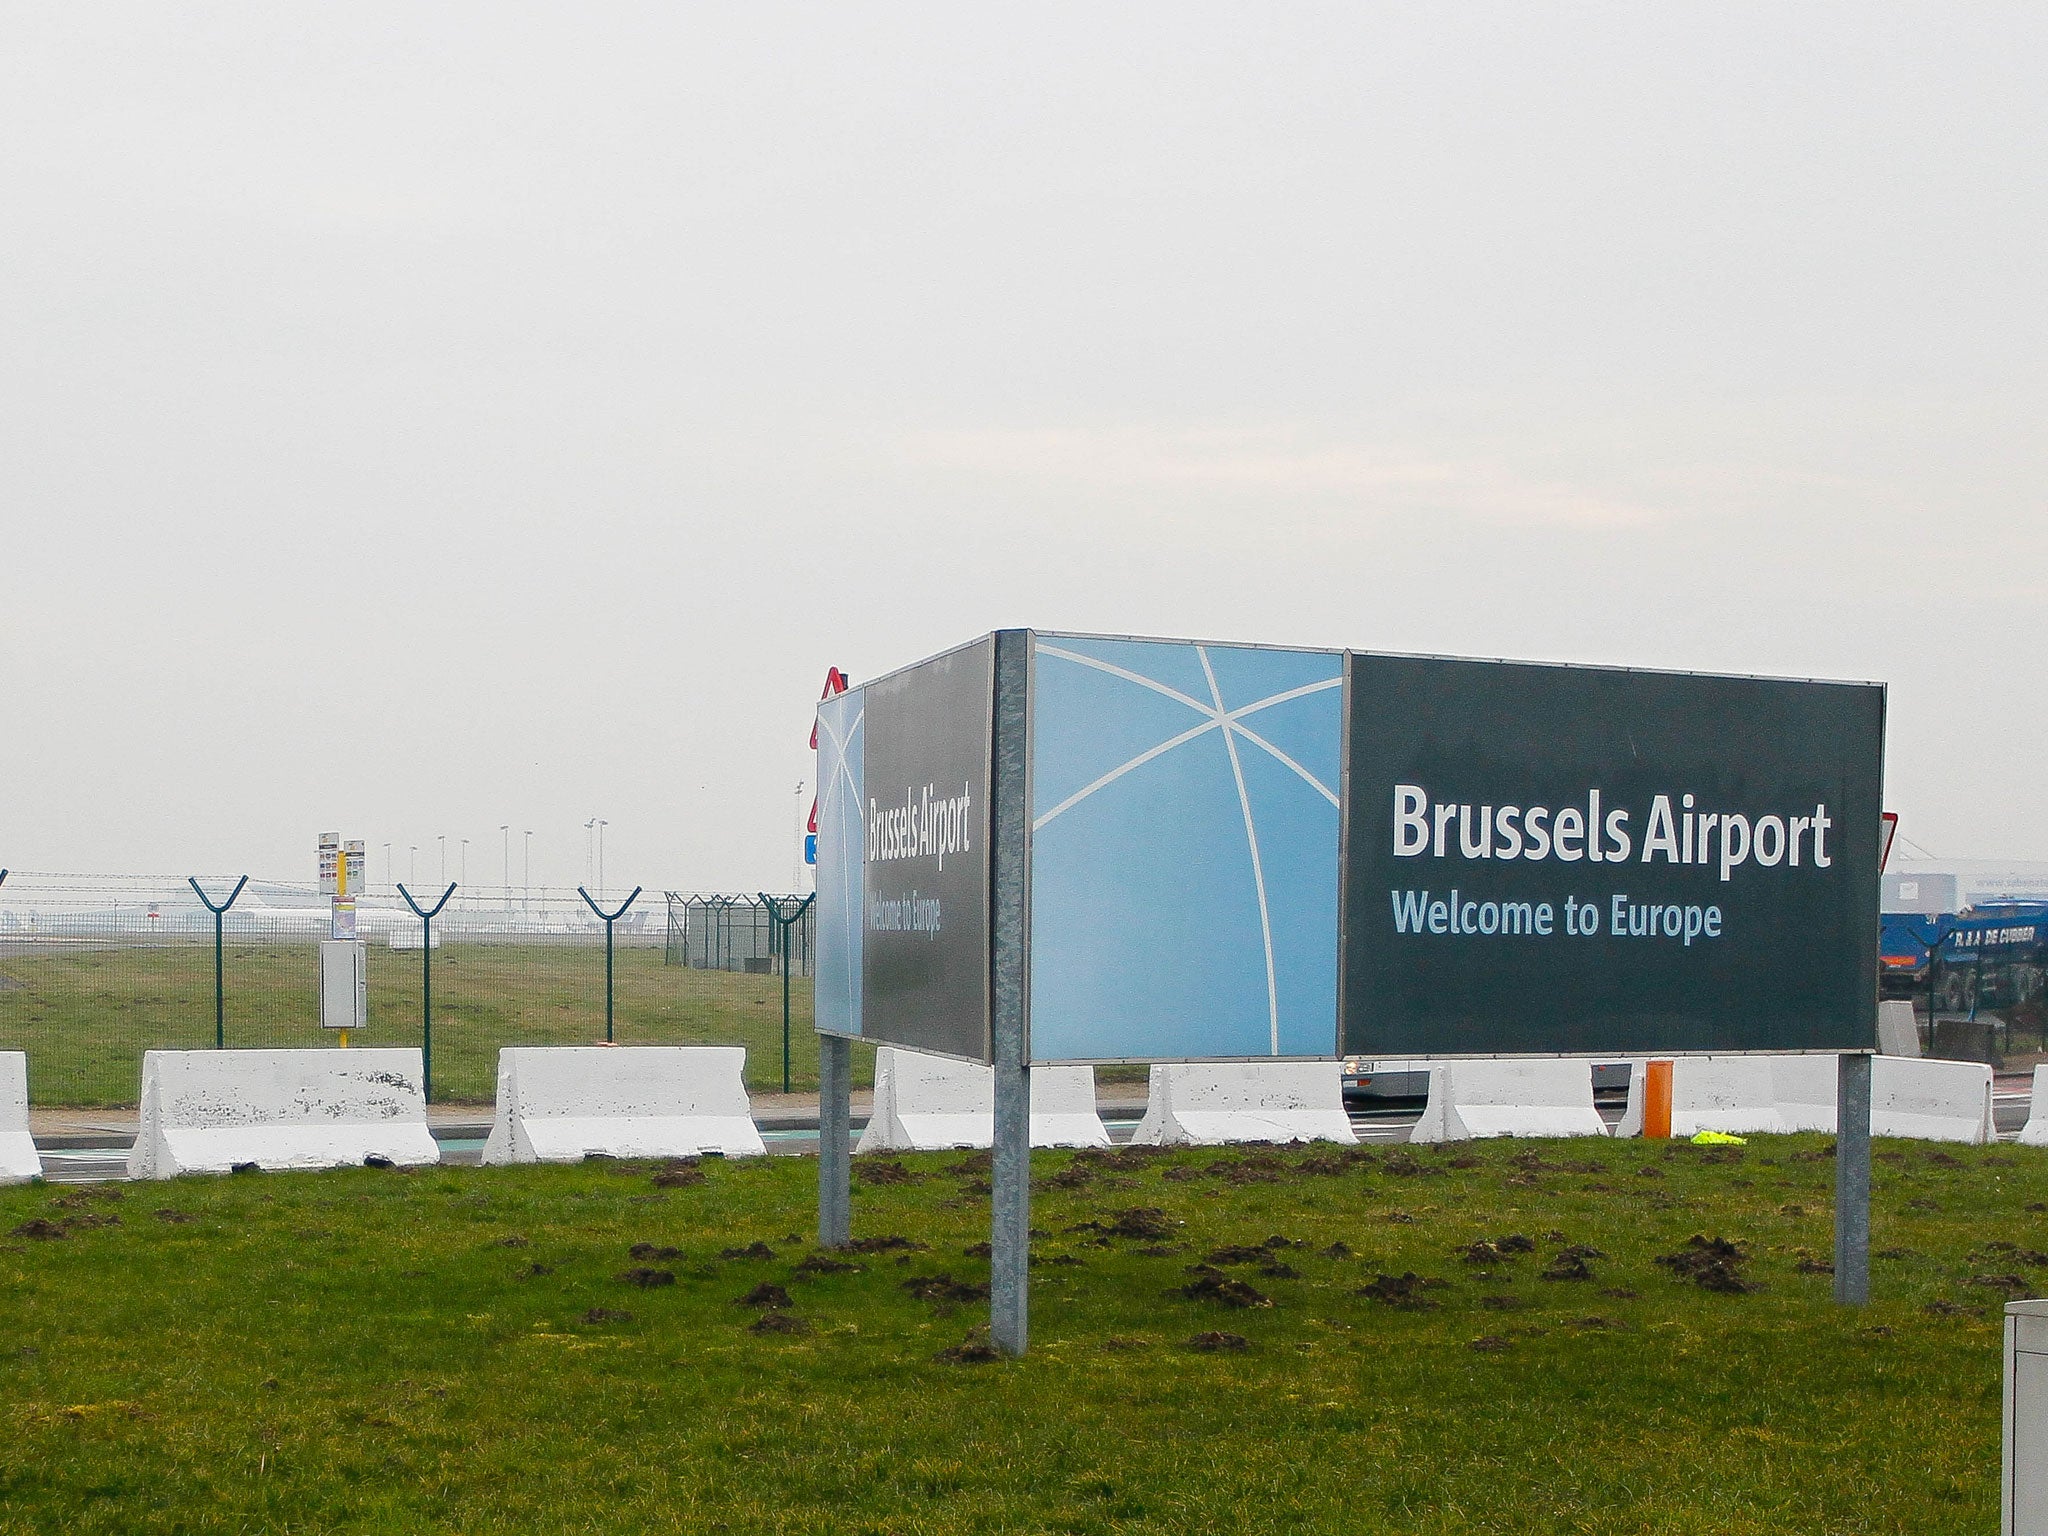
(2024, 1488)
(344, 984)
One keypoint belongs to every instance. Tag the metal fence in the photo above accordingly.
(96, 970)
(719, 932)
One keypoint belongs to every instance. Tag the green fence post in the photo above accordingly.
(427, 985)
(220, 994)
(779, 929)
(609, 919)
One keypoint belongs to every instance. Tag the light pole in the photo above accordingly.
(505, 832)
(412, 864)
(442, 838)
(596, 824)
(465, 861)
(390, 869)
(529, 870)
(796, 866)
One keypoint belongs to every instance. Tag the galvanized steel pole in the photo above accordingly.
(1010, 1215)
(835, 1130)
(1852, 1180)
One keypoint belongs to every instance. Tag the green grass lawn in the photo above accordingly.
(86, 1015)
(455, 1349)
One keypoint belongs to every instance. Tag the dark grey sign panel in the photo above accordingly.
(1547, 859)
(925, 947)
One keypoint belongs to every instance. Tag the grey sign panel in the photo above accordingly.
(1544, 859)
(926, 739)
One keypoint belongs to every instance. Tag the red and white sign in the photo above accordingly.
(835, 684)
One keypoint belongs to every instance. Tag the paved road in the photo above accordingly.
(80, 1165)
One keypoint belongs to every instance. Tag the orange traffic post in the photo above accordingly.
(1657, 1099)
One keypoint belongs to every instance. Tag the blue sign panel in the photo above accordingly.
(1184, 850)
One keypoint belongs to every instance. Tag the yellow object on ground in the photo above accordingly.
(1718, 1139)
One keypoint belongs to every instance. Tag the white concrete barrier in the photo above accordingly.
(1931, 1100)
(2035, 1132)
(1751, 1095)
(1805, 1090)
(930, 1103)
(560, 1104)
(1898, 1029)
(18, 1157)
(1215, 1103)
(207, 1111)
(1509, 1098)
(1063, 1112)
(1735, 1094)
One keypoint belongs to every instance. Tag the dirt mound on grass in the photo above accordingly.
(754, 1250)
(1147, 1223)
(1711, 1263)
(1405, 1291)
(1570, 1263)
(1238, 1253)
(944, 1288)
(819, 1264)
(647, 1279)
(2012, 1285)
(1216, 1342)
(884, 1171)
(787, 1323)
(889, 1244)
(1213, 1285)
(766, 1294)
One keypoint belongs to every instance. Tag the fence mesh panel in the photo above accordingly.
(95, 971)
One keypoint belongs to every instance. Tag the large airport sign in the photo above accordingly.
(1239, 852)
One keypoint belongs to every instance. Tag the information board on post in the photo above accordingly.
(1550, 859)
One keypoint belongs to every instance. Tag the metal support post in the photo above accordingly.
(609, 919)
(835, 1137)
(1852, 1181)
(427, 985)
(220, 992)
(1010, 1217)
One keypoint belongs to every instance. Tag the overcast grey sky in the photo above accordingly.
(415, 419)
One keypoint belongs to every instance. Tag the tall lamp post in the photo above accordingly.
(796, 866)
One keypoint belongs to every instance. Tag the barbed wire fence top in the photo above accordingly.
(97, 969)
